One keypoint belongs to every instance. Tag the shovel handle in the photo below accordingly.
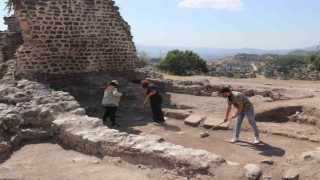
(217, 125)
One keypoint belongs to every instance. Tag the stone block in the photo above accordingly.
(15, 140)
(309, 155)
(93, 140)
(139, 146)
(176, 113)
(213, 122)
(252, 171)
(193, 120)
(126, 146)
(291, 174)
(264, 93)
(28, 133)
(79, 111)
(248, 92)
(160, 147)
(43, 134)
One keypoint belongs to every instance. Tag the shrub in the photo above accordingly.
(183, 63)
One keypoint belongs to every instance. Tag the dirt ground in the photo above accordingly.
(274, 147)
(51, 161)
(175, 131)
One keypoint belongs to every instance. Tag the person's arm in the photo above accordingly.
(145, 102)
(116, 92)
(228, 112)
(153, 92)
(239, 110)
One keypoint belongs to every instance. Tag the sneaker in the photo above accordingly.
(256, 140)
(233, 140)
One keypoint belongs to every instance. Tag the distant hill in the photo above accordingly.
(210, 54)
(247, 58)
(300, 52)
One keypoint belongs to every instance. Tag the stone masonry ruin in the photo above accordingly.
(63, 39)
(10, 40)
(71, 37)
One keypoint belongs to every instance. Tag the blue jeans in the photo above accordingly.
(252, 121)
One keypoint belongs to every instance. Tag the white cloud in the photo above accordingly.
(214, 4)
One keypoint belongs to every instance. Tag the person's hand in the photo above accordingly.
(110, 88)
(226, 119)
(143, 107)
(152, 93)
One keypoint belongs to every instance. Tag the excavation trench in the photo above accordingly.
(304, 115)
(278, 115)
(68, 129)
(132, 121)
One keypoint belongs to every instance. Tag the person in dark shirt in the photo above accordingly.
(244, 108)
(155, 100)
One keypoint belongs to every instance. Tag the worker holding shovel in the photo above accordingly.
(155, 99)
(244, 107)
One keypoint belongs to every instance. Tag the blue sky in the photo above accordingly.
(265, 24)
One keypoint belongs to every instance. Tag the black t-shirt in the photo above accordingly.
(152, 87)
(156, 96)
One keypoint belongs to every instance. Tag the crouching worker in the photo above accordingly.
(155, 101)
(244, 107)
(110, 101)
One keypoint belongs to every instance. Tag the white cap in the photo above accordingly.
(115, 81)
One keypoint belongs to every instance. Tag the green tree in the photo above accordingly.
(183, 63)
(289, 62)
(314, 60)
(9, 6)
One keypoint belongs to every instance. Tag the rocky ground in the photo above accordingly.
(49, 160)
(287, 113)
(282, 137)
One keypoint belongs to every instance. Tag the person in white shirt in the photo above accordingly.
(110, 101)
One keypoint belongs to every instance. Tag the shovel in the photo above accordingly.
(206, 133)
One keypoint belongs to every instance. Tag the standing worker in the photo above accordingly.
(155, 100)
(110, 101)
(244, 107)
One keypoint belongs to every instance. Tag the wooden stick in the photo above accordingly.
(217, 125)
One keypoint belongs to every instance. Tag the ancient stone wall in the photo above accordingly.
(12, 24)
(10, 39)
(75, 36)
(9, 42)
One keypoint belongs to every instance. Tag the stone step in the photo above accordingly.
(193, 120)
(212, 122)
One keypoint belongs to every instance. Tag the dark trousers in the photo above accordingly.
(110, 112)
(156, 102)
